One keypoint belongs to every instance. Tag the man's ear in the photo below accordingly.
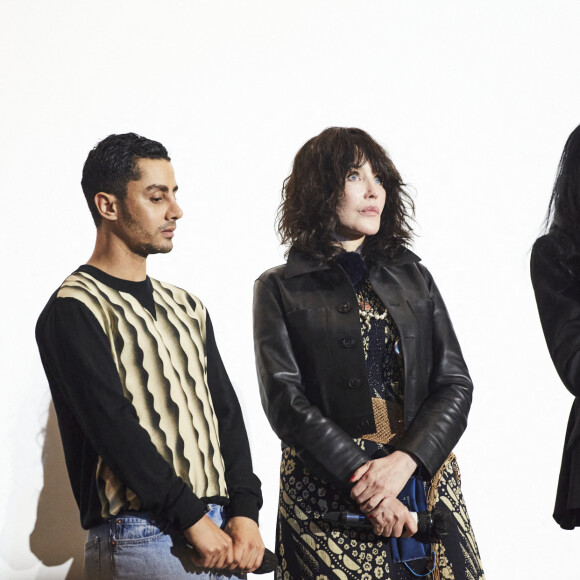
(107, 205)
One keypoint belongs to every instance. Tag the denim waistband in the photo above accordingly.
(114, 526)
(130, 517)
(137, 517)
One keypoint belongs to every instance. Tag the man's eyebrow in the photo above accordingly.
(159, 187)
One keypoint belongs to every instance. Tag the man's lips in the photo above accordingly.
(168, 232)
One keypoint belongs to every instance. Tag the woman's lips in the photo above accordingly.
(371, 210)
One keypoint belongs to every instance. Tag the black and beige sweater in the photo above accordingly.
(148, 417)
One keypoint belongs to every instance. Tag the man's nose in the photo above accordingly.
(174, 211)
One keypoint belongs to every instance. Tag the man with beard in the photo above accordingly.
(155, 443)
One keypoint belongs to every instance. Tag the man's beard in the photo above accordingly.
(142, 247)
(145, 249)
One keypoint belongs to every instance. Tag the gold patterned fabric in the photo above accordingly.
(310, 548)
(458, 556)
(389, 420)
(384, 361)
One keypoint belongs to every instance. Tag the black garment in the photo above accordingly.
(557, 293)
(97, 415)
(306, 545)
(311, 365)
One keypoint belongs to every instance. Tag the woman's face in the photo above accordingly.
(359, 210)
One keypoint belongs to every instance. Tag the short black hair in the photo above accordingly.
(112, 163)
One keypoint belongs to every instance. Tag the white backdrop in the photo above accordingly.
(473, 100)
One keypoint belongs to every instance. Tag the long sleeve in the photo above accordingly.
(558, 299)
(97, 420)
(442, 417)
(243, 485)
(324, 446)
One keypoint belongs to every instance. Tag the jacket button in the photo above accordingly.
(397, 347)
(344, 307)
(354, 383)
(348, 342)
(364, 424)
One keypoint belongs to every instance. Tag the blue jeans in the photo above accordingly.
(137, 546)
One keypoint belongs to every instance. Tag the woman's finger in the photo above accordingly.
(359, 492)
(407, 533)
(360, 472)
(397, 530)
(411, 524)
(370, 504)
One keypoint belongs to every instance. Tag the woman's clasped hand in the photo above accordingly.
(377, 484)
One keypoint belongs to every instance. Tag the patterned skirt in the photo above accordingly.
(309, 548)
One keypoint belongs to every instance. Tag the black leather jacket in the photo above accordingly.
(557, 293)
(312, 370)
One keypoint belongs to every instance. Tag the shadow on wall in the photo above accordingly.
(57, 536)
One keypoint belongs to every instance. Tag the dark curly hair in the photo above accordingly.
(112, 163)
(307, 216)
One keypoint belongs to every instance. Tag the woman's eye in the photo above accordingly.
(379, 180)
(156, 199)
(352, 177)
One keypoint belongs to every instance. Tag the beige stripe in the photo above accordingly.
(185, 432)
(192, 345)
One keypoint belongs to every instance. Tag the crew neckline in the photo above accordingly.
(141, 291)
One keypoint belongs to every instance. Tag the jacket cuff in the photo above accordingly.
(336, 474)
(243, 505)
(425, 452)
(358, 462)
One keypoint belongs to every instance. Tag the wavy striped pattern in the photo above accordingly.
(162, 367)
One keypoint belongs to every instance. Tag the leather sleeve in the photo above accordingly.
(558, 299)
(324, 446)
(442, 417)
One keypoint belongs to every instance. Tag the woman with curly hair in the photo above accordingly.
(555, 269)
(361, 376)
